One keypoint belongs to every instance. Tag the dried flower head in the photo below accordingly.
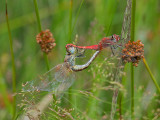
(46, 41)
(133, 52)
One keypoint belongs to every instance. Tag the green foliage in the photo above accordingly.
(92, 91)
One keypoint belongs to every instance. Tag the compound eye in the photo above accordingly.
(116, 37)
(112, 37)
(68, 45)
(71, 50)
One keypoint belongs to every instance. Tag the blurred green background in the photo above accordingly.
(92, 20)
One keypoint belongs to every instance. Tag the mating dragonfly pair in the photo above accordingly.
(61, 77)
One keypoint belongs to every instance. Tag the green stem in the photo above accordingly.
(132, 90)
(121, 93)
(120, 105)
(37, 15)
(150, 73)
(46, 60)
(133, 19)
(70, 21)
(69, 40)
(13, 64)
(132, 68)
(40, 29)
(74, 24)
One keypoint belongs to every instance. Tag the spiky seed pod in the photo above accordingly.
(46, 41)
(133, 52)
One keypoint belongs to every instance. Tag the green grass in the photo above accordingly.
(13, 65)
(133, 12)
(90, 97)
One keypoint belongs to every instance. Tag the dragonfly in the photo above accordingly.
(111, 41)
(56, 81)
(61, 77)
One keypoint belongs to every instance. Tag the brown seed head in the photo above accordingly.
(46, 41)
(133, 52)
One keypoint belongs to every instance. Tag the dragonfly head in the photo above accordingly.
(73, 49)
(115, 38)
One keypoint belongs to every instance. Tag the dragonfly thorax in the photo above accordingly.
(70, 59)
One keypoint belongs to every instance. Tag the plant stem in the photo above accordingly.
(46, 60)
(150, 73)
(74, 24)
(133, 20)
(132, 90)
(13, 64)
(40, 29)
(132, 67)
(69, 40)
(37, 15)
(120, 105)
(121, 96)
(70, 21)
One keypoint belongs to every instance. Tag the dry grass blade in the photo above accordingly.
(125, 34)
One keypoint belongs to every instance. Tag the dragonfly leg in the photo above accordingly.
(116, 46)
(80, 53)
(112, 50)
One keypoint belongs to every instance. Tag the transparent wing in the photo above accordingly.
(57, 80)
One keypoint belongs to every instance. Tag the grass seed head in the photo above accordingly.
(46, 41)
(133, 52)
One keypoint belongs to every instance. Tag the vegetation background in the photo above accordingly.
(90, 20)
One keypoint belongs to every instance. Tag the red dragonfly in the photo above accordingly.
(61, 77)
(56, 81)
(110, 41)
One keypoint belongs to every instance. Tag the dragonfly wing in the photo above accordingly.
(57, 80)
